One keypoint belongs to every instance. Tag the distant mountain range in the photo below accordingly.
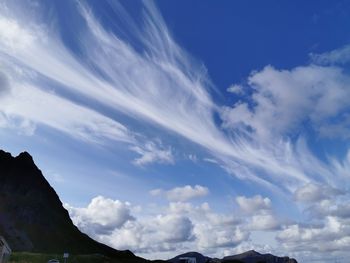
(250, 256)
(33, 219)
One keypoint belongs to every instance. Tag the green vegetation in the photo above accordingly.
(24, 257)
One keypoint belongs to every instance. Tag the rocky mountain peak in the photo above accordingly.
(32, 217)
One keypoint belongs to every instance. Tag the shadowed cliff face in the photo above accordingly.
(32, 217)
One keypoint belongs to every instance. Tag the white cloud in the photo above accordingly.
(173, 228)
(315, 193)
(212, 237)
(258, 213)
(163, 86)
(236, 89)
(193, 158)
(160, 84)
(337, 56)
(264, 221)
(13, 36)
(328, 237)
(336, 205)
(328, 227)
(213, 231)
(288, 101)
(161, 231)
(184, 193)
(164, 77)
(253, 204)
(4, 84)
(165, 232)
(287, 98)
(28, 105)
(153, 153)
(210, 160)
(152, 235)
(101, 216)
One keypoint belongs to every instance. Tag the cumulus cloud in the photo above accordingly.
(101, 216)
(212, 237)
(152, 152)
(253, 204)
(204, 212)
(332, 235)
(336, 206)
(264, 221)
(111, 221)
(327, 229)
(287, 98)
(212, 231)
(153, 235)
(315, 193)
(174, 228)
(236, 89)
(165, 231)
(184, 193)
(258, 213)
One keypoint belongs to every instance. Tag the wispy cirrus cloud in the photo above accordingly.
(162, 85)
(337, 56)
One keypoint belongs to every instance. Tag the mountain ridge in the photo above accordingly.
(253, 256)
(250, 256)
(32, 217)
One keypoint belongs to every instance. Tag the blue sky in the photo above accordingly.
(158, 121)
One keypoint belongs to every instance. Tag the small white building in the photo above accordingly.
(5, 250)
(187, 260)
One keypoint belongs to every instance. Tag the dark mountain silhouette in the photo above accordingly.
(199, 257)
(250, 256)
(33, 219)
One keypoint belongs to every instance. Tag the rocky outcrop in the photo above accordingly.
(32, 217)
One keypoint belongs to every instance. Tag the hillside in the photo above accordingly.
(33, 219)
